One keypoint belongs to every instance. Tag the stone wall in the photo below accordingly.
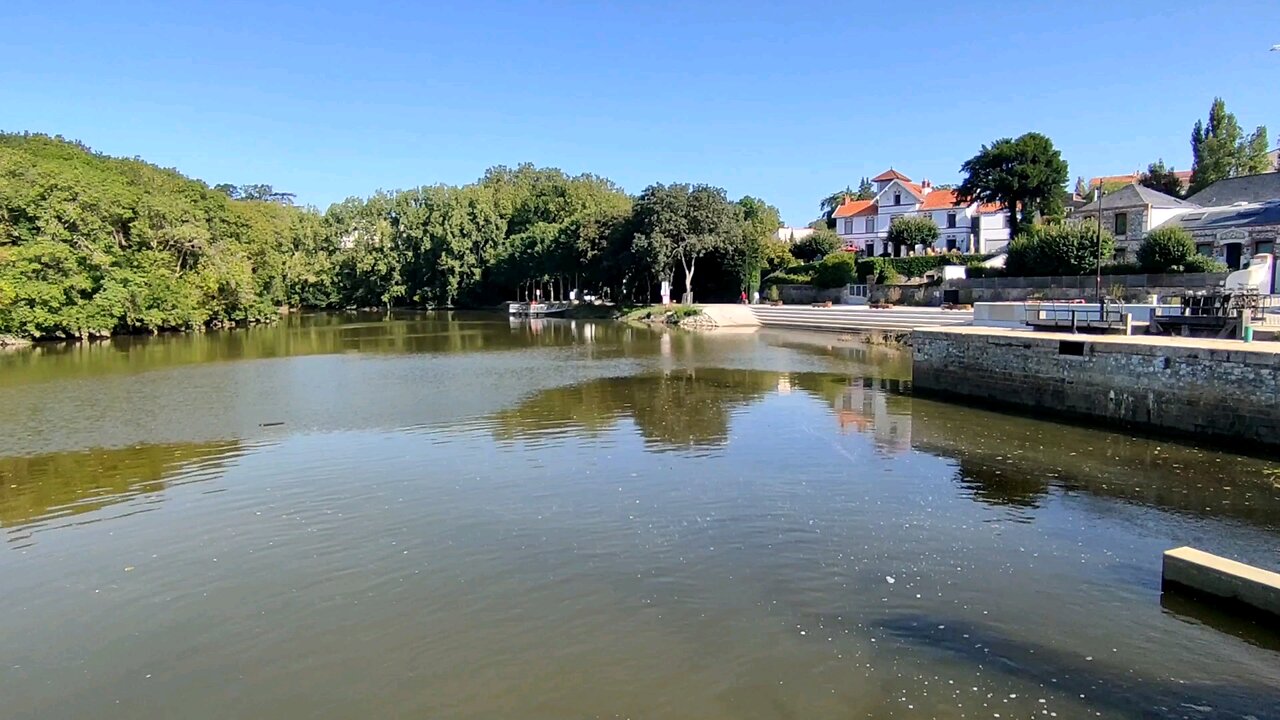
(1127, 243)
(1224, 393)
(1248, 237)
(1130, 288)
(808, 294)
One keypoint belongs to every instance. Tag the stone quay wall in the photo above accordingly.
(1218, 391)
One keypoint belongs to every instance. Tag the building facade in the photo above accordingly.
(863, 225)
(1130, 213)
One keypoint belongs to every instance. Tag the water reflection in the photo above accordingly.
(1009, 460)
(47, 491)
(692, 408)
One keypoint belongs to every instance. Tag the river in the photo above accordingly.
(458, 516)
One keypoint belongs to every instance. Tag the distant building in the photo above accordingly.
(1184, 176)
(863, 225)
(792, 234)
(1235, 233)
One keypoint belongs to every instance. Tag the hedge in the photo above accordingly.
(795, 275)
(886, 269)
(835, 270)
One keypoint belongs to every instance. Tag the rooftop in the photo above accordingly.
(1247, 188)
(1135, 195)
(890, 174)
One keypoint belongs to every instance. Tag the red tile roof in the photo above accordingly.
(939, 200)
(851, 208)
(890, 174)
(990, 208)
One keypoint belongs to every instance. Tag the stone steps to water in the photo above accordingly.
(853, 318)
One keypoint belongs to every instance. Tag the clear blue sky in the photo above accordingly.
(784, 100)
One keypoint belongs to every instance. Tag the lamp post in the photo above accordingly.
(1097, 280)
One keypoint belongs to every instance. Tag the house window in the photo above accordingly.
(951, 219)
(1205, 249)
(1119, 255)
(951, 243)
(871, 248)
(1121, 223)
(897, 198)
(848, 226)
(871, 224)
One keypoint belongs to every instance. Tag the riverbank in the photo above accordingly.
(1223, 391)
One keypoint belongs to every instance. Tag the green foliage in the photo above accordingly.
(835, 270)
(1203, 264)
(1124, 267)
(93, 245)
(774, 294)
(1026, 175)
(1058, 249)
(681, 312)
(776, 255)
(1219, 149)
(1165, 249)
(1161, 179)
(912, 230)
(820, 243)
(885, 269)
(795, 275)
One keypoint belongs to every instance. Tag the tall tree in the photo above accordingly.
(1026, 175)
(1254, 157)
(1082, 188)
(678, 224)
(1161, 179)
(1220, 149)
(835, 200)
(866, 191)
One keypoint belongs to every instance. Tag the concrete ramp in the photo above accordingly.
(730, 315)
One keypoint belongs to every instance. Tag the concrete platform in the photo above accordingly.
(725, 315)
(1149, 341)
(1209, 574)
(853, 318)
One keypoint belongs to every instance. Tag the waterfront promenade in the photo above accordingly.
(838, 318)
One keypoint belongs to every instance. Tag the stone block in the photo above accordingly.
(1219, 577)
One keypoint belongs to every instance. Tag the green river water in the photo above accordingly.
(462, 516)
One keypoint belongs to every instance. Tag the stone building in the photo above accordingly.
(1235, 233)
(1130, 213)
(1243, 189)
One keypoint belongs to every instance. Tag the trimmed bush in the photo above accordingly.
(889, 269)
(1123, 267)
(1057, 249)
(820, 243)
(794, 275)
(912, 230)
(1165, 249)
(835, 270)
(1203, 264)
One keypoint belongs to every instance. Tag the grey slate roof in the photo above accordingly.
(1134, 195)
(1247, 188)
(1228, 217)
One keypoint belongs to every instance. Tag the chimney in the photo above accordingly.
(926, 185)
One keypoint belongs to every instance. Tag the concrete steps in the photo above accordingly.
(853, 318)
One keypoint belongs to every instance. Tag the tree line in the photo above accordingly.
(94, 245)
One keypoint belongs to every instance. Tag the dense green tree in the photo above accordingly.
(678, 224)
(1026, 175)
(835, 200)
(1214, 147)
(911, 230)
(1058, 249)
(866, 191)
(835, 270)
(1165, 249)
(1082, 188)
(776, 255)
(818, 244)
(1161, 179)
(1255, 157)
(1220, 150)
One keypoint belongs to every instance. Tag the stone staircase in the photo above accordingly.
(852, 318)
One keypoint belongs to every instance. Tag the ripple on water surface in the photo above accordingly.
(745, 527)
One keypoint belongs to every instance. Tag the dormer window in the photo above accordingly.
(897, 198)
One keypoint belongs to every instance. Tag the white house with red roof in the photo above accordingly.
(863, 225)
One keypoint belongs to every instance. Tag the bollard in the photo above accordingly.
(1248, 333)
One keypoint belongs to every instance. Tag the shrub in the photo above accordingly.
(912, 230)
(1057, 249)
(681, 312)
(774, 294)
(776, 255)
(835, 270)
(1164, 249)
(821, 243)
(794, 275)
(1203, 264)
(889, 269)
(1124, 267)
